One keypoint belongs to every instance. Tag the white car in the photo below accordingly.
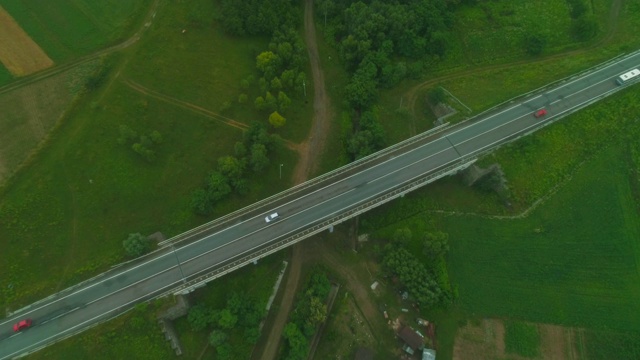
(271, 217)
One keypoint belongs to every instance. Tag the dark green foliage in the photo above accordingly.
(522, 339)
(298, 345)
(99, 76)
(240, 150)
(577, 8)
(368, 137)
(217, 186)
(136, 245)
(402, 236)
(361, 91)
(283, 101)
(585, 28)
(436, 244)
(255, 17)
(490, 182)
(198, 317)
(535, 43)
(217, 337)
(248, 310)
(414, 275)
(414, 28)
(437, 95)
(225, 352)
(259, 159)
(231, 168)
(142, 145)
(252, 335)
(310, 311)
(240, 319)
(227, 319)
(201, 203)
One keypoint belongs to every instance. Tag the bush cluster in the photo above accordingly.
(230, 173)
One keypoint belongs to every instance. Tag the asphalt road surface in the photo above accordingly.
(75, 309)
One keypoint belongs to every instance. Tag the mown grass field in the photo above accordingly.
(572, 262)
(64, 217)
(71, 28)
(205, 67)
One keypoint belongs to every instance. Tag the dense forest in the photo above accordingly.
(381, 43)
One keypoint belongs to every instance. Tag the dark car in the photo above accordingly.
(540, 113)
(21, 325)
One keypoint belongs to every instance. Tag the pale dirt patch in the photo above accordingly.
(18, 52)
(30, 112)
(485, 341)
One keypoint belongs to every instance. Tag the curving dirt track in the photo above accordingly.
(308, 151)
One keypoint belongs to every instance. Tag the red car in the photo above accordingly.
(540, 113)
(21, 325)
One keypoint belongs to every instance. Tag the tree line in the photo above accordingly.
(381, 43)
(230, 174)
(422, 280)
(234, 329)
(309, 312)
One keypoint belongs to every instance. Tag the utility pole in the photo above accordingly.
(304, 88)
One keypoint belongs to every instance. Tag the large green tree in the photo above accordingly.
(136, 245)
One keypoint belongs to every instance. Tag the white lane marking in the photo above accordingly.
(492, 129)
(84, 322)
(323, 188)
(588, 87)
(133, 284)
(593, 73)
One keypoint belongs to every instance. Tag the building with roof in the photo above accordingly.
(412, 340)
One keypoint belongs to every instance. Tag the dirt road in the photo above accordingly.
(308, 150)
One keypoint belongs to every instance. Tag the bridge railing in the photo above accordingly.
(308, 184)
(210, 275)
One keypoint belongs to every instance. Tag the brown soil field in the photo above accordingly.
(18, 52)
(486, 342)
(30, 112)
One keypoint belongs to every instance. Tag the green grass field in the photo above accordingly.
(495, 32)
(572, 262)
(71, 28)
(64, 217)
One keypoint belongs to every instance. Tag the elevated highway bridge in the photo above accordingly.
(189, 260)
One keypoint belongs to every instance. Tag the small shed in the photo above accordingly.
(411, 338)
(428, 354)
